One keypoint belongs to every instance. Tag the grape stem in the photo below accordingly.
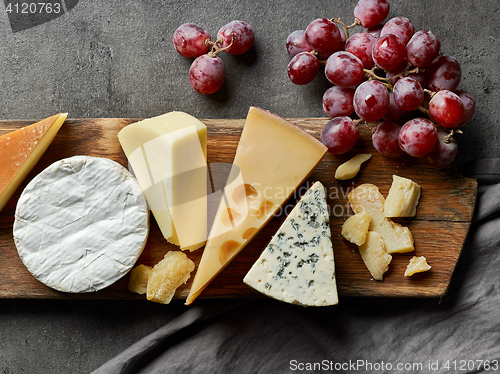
(215, 45)
(356, 22)
(371, 73)
(431, 93)
(448, 137)
(373, 125)
(425, 111)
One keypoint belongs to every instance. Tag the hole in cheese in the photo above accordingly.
(242, 192)
(249, 233)
(230, 218)
(227, 250)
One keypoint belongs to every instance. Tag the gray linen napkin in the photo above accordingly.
(459, 333)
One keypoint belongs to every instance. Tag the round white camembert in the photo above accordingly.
(81, 224)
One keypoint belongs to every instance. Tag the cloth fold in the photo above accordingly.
(458, 333)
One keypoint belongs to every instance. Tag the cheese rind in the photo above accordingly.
(168, 156)
(167, 275)
(367, 198)
(375, 256)
(355, 228)
(273, 158)
(81, 224)
(20, 150)
(417, 265)
(403, 198)
(351, 167)
(297, 266)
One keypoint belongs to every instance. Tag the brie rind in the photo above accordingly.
(81, 224)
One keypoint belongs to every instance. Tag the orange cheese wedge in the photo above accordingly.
(20, 150)
(273, 158)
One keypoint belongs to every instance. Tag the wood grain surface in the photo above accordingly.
(443, 217)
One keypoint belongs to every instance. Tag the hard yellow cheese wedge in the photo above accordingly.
(367, 198)
(20, 150)
(168, 156)
(273, 158)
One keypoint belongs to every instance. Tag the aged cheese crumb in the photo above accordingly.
(367, 198)
(375, 256)
(138, 281)
(350, 168)
(167, 275)
(355, 228)
(417, 265)
(403, 198)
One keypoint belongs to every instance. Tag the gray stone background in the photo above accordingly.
(116, 59)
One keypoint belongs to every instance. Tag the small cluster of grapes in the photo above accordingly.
(207, 72)
(386, 74)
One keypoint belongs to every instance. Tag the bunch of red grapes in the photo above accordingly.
(207, 72)
(387, 75)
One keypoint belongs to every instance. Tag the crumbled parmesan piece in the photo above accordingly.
(403, 198)
(355, 228)
(139, 279)
(167, 275)
(367, 197)
(375, 256)
(417, 265)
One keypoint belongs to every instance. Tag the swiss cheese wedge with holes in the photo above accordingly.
(20, 150)
(273, 158)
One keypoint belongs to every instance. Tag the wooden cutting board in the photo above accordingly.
(439, 229)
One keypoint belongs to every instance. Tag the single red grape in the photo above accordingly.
(303, 67)
(189, 40)
(408, 94)
(323, 36)
(447, 109)
(402, 27)
(443, 152)
(422, 48)
(418, 137)
(374, 31)
(371, 100)
(394, 112)
(243, 34)
(443, 73)
(388, 52)
(419, 77)
(340, 135)
(296, 43)
(385, 139)
(469, 105)
(338, 101)
(360, 45)
(206, 74)
(344, 69)
(371, 12)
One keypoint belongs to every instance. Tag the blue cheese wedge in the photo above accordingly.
(298, 265)
(81, 224)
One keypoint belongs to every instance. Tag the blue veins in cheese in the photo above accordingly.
(298, 265)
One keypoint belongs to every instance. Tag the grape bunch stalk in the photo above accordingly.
(207, 72)
(387, 76)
